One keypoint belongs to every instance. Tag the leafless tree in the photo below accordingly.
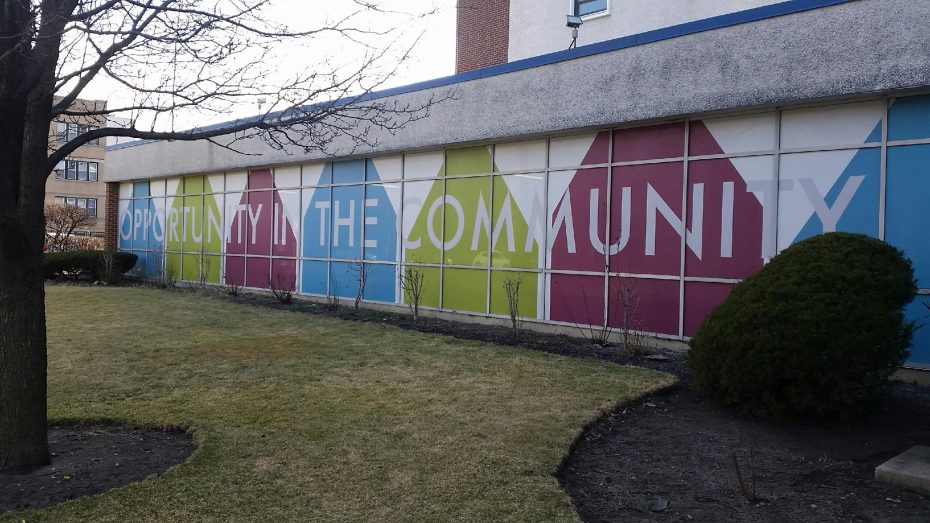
(411, 283)
(205, 56)
(61, 222)
(359, 270)
(511, 287)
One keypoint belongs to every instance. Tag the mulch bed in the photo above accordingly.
(91, 459)
(669, 457)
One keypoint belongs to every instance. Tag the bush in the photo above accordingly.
(79, 263)
(815, 333)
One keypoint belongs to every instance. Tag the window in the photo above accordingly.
(61, 131)
(79, 170)
(71, 170)
(589, 7)
(69, 131)
(90, 204)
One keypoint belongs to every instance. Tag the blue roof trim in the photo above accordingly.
(657, 35)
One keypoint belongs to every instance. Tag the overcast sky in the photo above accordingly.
(433, 55)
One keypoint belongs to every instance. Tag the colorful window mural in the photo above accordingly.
(678, 212)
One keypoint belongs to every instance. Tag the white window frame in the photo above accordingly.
(598, 14)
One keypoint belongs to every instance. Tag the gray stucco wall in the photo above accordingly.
(849, 50)
(538, 26)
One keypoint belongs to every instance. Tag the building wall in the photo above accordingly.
(538, 26)
(873, 46)
(482, 28)
(58, 186)
(678, 211)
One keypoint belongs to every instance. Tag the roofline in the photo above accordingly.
(624, 42)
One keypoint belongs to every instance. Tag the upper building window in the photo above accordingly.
(589, 7)
(77, 170)
(69, 131)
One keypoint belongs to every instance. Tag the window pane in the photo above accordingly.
(69, 201)
(92, 171)
(82, 171)
(92, 207)
(72, 131)
(82, 203)
(61, 130)
(71, 173)
(586, 7)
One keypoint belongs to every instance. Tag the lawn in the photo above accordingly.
(301, 417)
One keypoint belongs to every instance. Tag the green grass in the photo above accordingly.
(301, 417)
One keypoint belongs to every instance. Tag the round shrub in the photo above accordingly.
(815, 333)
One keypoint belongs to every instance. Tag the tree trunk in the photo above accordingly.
(23, 404)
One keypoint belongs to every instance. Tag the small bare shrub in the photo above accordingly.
(360, 270)
(597, 335)
(170, 278)
(205, 265)
(281, 290)
(625, 298)
(332, 296)
(411, 283)
(512, 291)
(231, 286)
(109, 270)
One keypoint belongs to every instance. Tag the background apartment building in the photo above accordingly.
(79, 180)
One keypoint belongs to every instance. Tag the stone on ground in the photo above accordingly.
(909, 470)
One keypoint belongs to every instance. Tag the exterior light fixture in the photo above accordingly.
(574, 22)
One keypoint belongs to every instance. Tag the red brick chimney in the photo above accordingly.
(482, 34)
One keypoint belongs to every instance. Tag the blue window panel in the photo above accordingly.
(313, 276)
(861, 216)
(381, 283)
(139, 238)
(351, 171)
(920, 346)
(907, 218)
(326, 177)
(381, 223)
(156, 233)
(141, 190)
(909, 118)
(316, 227)
(153, 264)
(344, 279)
(125, 225)
(372, 171)
(347, 222)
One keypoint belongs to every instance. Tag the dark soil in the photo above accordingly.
(91, 459)
(669, 457)
(676, 448)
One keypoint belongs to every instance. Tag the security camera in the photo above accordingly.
(574, 21)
